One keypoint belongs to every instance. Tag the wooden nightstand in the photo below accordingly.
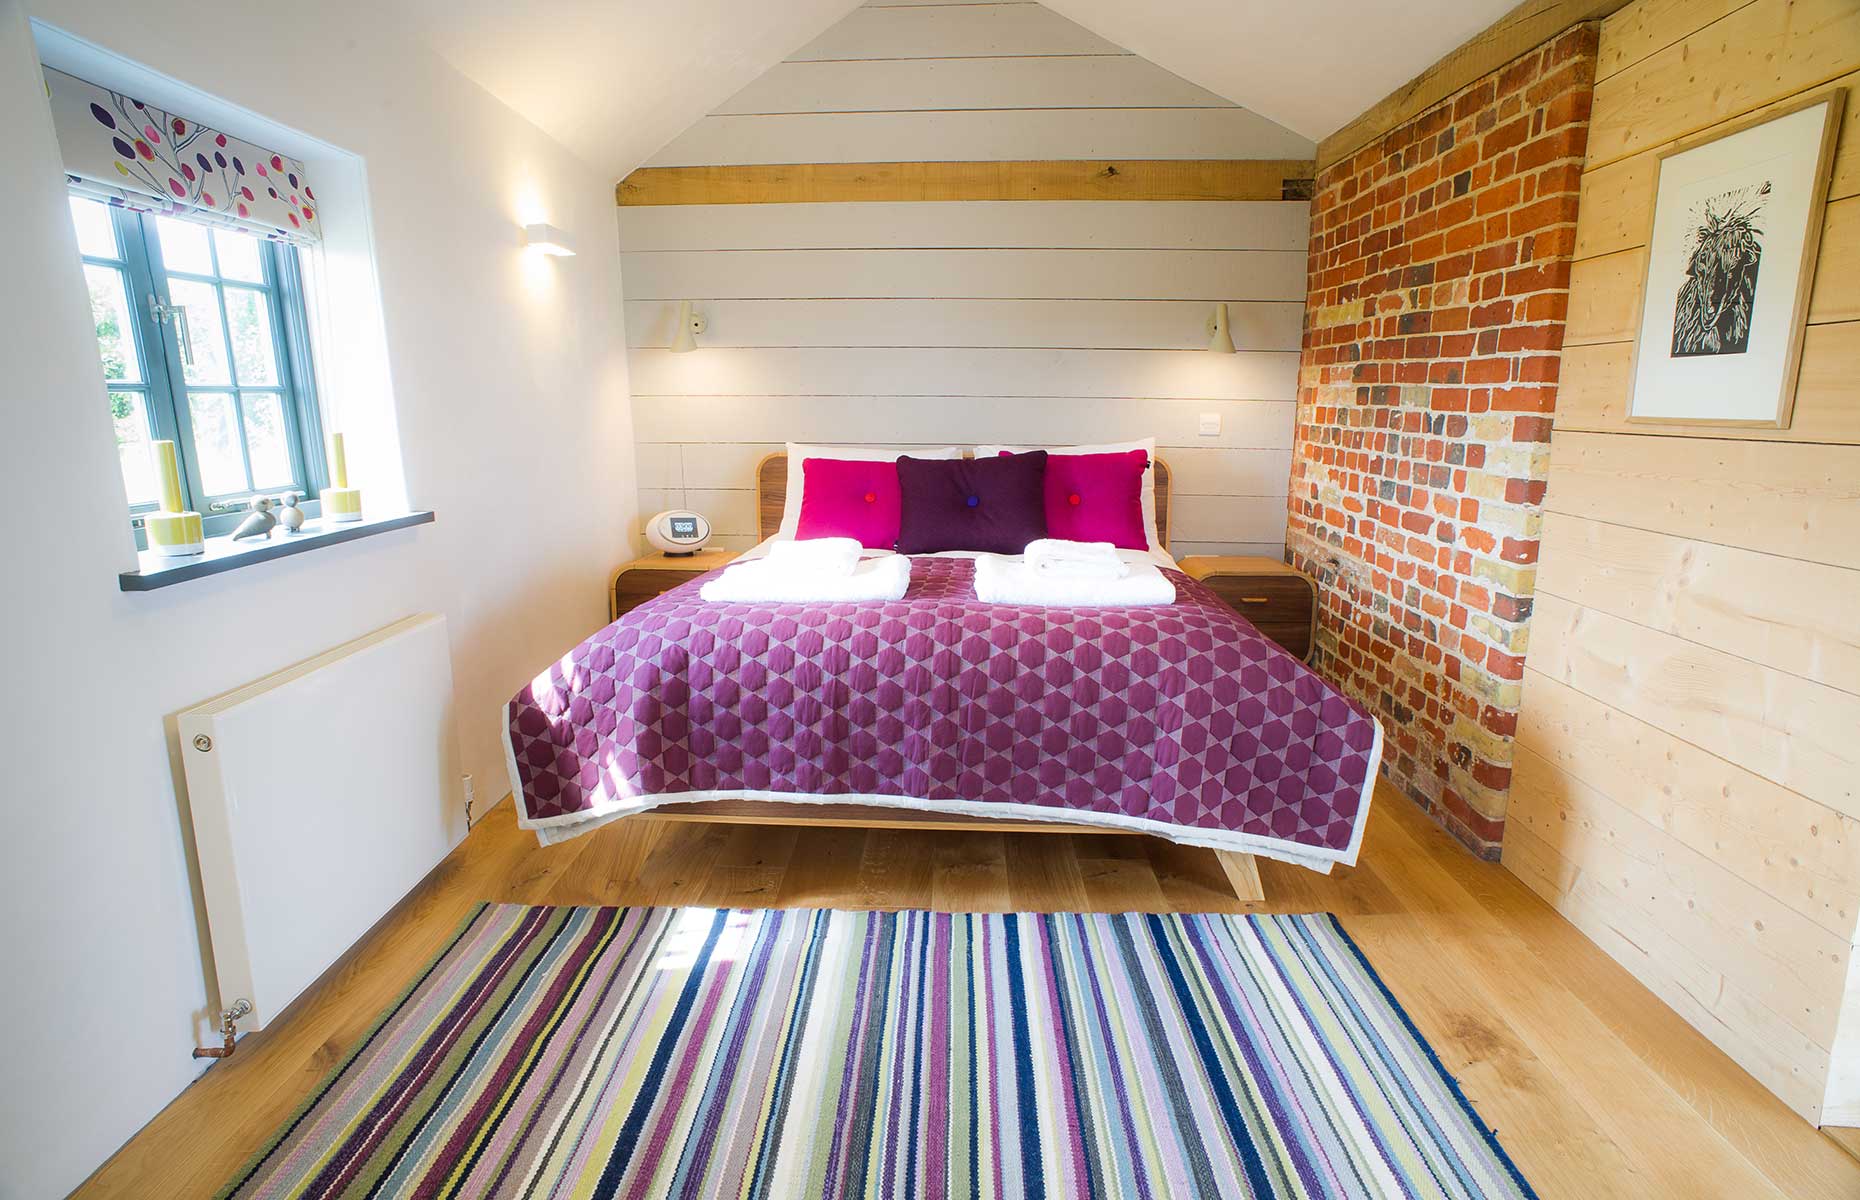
(1279, 600)
(643, 578)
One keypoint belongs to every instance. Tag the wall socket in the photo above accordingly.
(471, 795)
(1210, 425)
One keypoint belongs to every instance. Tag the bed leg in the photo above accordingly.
(1243, 874)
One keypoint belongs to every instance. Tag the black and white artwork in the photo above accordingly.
(1730, 256)
(1724, 249)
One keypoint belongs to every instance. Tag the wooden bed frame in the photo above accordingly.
(771, 496)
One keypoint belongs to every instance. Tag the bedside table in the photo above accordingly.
(1280, 600)
(643, 578)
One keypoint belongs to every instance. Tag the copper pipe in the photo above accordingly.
(229, 1027)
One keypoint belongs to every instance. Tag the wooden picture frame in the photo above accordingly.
(1745, 377)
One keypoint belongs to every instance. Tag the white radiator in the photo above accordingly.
(320, 795)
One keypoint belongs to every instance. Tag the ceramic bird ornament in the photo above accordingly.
(258, 522)
(290, 517)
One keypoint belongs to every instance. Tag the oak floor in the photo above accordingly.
(1595, 1087)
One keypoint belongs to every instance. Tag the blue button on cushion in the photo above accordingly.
(994, 505)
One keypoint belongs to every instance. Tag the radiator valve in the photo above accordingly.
(229, 1028)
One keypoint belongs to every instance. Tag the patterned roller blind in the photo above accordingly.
(124, 151)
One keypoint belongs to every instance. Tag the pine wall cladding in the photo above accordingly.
(1686, 788)
(1439, 287)
(912, 321)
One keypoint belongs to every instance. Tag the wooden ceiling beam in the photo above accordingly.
(799, 183)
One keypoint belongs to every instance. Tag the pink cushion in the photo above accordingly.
(1097, 498)
(846, 498)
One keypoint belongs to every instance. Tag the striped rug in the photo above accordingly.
(634, 1053)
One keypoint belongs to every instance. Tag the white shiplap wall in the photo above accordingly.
(967, 322)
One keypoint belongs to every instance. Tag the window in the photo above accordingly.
(204, 341)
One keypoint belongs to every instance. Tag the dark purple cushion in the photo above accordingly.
(996, 505)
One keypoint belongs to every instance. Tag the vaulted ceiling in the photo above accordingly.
(614, 80)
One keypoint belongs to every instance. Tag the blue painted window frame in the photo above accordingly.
(164, 388)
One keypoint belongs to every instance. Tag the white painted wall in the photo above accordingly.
(967, 322)
(510, 402)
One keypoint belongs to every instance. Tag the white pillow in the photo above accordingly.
(1149, 476)
(799, 452)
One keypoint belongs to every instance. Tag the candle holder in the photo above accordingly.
(341, 503)
(172, 531)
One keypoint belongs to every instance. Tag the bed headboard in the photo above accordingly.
(772, 496)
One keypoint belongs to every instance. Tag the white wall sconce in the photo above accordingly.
(689, 325)
(1220, 333)
(547, 239)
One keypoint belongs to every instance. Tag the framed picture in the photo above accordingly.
(1730, 263)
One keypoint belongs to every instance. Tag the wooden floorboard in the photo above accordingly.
(1595, 1088)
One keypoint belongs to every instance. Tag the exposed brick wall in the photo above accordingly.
(1439, 280)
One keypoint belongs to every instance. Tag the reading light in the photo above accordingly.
(548, 240)
(689, 325)
(1220, 334)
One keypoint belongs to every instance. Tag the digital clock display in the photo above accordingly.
(683, 527)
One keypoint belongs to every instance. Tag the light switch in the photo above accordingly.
(1210, 425)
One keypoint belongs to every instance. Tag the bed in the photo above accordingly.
(941, 711)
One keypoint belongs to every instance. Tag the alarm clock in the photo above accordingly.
(678, 532)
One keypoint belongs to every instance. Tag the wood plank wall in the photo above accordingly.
(1039, 268)
(1687, 782)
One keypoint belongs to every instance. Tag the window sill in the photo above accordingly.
(223, 554)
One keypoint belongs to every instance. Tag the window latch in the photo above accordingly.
(176, 313)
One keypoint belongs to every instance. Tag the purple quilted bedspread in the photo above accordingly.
(1183, 720)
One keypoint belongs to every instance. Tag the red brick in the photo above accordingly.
(1498, 198)
(1531, 429)
(1446, 245)
(1518, 550)
(1491, 774)
(1552, 210)
(1505, 666)
(1540, 368)
(1495, 258)
(1511, 608)
(1552, 147)
(1475, 98)
(1505, 137)
(1498, 312)
(1537, 277)
(1547, 337)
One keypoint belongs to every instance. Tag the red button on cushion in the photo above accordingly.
(871, 497)
(1115, 514)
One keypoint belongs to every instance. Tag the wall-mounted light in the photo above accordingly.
(547, 239)
(1220, 334)
(689, 325)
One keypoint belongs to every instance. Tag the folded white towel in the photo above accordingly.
(1057, 558)
(823, 556)
(1000, 580)
(762, 582)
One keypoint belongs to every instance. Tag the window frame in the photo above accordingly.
(164, 386)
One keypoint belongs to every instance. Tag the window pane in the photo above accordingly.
(131, 417)
(238, 256)
(202, 302)
(184, 246)
(96, 235)
(216, 442)
(249, 318)
(109, 308)
(267, 439)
